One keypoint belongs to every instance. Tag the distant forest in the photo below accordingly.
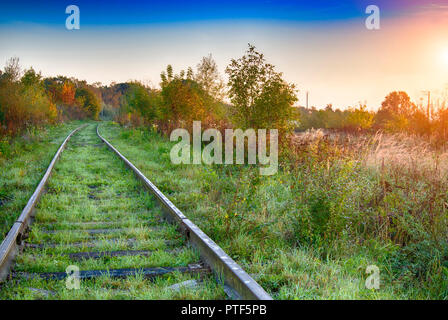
(255, 96)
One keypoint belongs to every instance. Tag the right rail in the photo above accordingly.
(220, 262)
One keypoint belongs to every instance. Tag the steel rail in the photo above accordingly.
(221, 263)
(13, 241)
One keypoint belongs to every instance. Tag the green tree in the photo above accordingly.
(359, 118)
(260, 97)
(12, 70)
(89, 102)
(207, 75)
(141, 99)
(166, 76)
(31, 78)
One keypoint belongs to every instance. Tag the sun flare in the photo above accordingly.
(444, 57)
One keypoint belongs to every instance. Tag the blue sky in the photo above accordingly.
(112, 12)
(321, 46)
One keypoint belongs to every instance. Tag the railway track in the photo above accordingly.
(96, 233)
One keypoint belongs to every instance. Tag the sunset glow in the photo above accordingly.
(328, 53)
(444, 57)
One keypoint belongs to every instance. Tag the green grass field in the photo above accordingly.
(308, 232)
(90, 189)
(286, 229)
(24, 161)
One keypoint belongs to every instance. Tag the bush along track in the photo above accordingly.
(97, 218)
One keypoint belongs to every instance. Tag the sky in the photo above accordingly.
(322, 46)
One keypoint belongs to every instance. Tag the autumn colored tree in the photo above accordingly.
(419, 123)
(395, 112)
(184, 100)
(23, 100)
(12, 111)
(442, 123)
(67, 95)
(112, 97)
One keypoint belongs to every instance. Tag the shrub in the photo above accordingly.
(88, 101)
(260, 96)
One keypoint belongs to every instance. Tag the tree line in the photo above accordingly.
(27, 99)
(397, 113)
(255, 96)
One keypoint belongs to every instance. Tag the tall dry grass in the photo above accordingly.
(381, 150)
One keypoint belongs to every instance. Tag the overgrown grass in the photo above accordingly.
(23, 161)
(91, 189)
(310, 231)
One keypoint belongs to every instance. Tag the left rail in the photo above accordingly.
(13, 242)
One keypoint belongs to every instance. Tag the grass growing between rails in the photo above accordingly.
(94, 204)
(310, 231)
(23, 161)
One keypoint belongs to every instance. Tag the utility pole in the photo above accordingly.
(307, 99)
(428, 113)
